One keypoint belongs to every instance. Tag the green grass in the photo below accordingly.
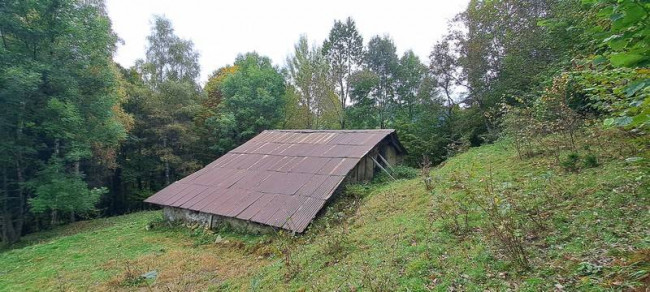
(109, 254)
(593, 235)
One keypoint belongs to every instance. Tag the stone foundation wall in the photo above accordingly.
(211, 221)
(187, 216)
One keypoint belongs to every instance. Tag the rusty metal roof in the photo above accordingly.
(280, 178)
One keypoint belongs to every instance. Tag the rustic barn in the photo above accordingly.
(280, 178)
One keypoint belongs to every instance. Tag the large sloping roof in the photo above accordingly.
(280, 178)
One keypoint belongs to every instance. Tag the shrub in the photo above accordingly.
(571, 162)
(591, 160)
(336, 242)
(425, 172)
(404, 172)
(284, 243)
(397, 172)
(453, 207)
(505, 221)
(356, 191)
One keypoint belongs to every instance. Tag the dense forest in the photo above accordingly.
(84, 137)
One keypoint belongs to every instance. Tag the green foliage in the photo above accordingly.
(60, 107)
(381, 59)
(608, 73)
(343, 50)
(168, 57)
(396, 172)
(425, 173)
(591, 160)
(453, 208)
(253, 101)
(622, 28)
(362, 114)
(411, 88)
(315, 105)
(358, 191)
(58, 191)
(404, 172)
(570, 162)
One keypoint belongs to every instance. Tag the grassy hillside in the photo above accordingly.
(492, 221)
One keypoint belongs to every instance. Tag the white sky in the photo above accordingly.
(221, 30)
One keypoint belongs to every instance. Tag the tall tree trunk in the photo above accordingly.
(20, 218)
(17, 224)
(77, 172)
(343, 99)
(54, 218)
(4, 40)
(167, 179)
(8, 234)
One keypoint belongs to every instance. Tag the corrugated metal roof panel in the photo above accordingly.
(170, 191)
(267, 148)
(231, 180)
(224, 159)
(284, 212)
(291, 163)
(232, 196)
(242, 203)
(271, 208)
(345, 166)
(281, 163)
(266, 162)
(217, 205)
(311, 186)
(338, 166)
(310, 164)
(214, 176)
(351, 151)
(207, 200)
(304, 214)
(247, 147)
(319, 150)
(283, 183)
(251, 179)
(327, 188)
(185, 196)
(189, 204)
(255, 207)
(280, 178)
(248, 161)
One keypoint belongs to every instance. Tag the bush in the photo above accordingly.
(505, 220)
(571, 162)
(453, 208)
(357, 191)
(425, 172)
(404, 172)
(591, 160)
(397, 172)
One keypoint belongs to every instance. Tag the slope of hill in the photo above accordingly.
(492, 221)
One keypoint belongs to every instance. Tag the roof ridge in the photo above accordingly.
(331, 131)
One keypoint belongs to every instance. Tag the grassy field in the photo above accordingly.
(112, 253)
(493, 221)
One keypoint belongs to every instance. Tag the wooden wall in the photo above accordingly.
(366, 168)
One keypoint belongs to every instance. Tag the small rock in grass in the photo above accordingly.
(150, 275)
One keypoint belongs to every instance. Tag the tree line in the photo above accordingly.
(85, 137)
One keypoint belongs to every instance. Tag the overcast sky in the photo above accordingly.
(221, 30)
